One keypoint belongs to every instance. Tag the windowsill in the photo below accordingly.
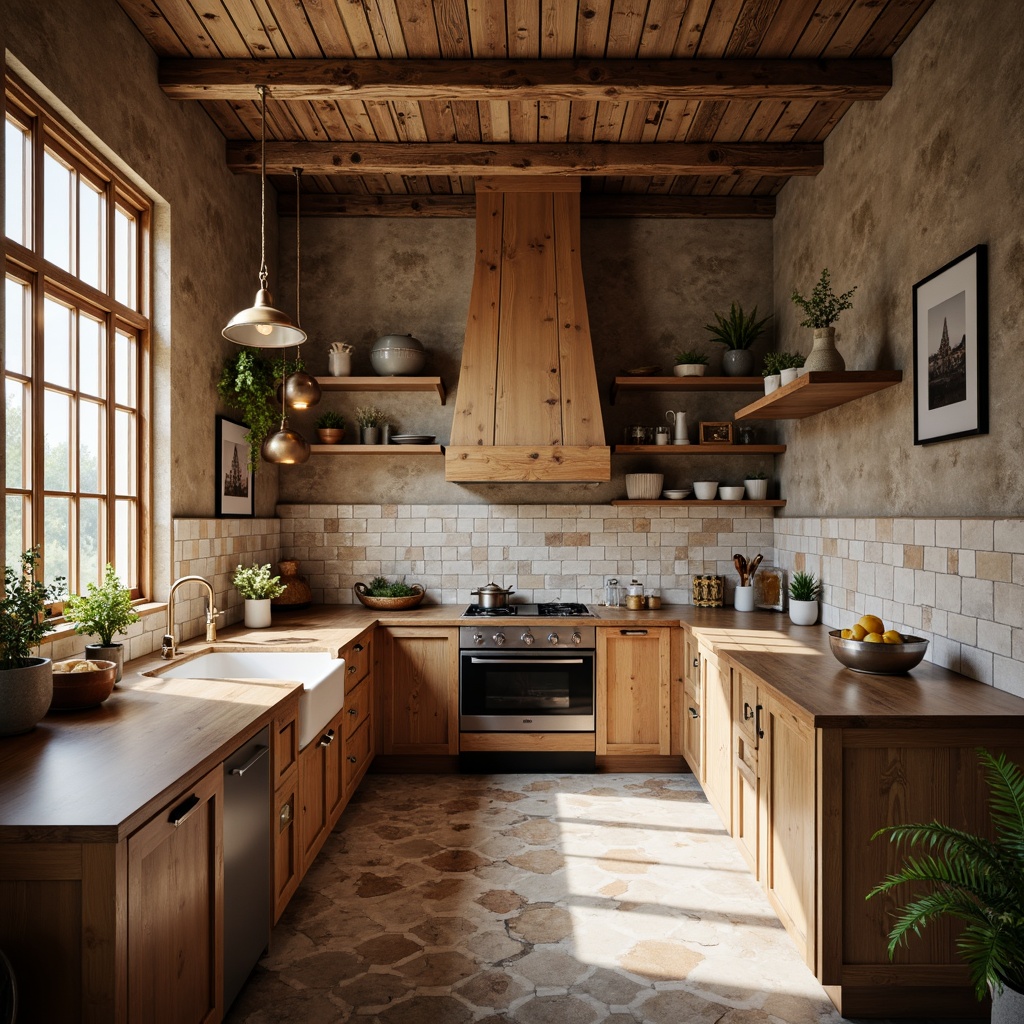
(65, 629)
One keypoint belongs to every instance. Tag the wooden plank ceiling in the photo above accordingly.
(393, 107)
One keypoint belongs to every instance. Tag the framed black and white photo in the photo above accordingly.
(951, 350)
(235, 484)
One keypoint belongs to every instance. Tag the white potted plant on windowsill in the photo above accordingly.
(258, 587)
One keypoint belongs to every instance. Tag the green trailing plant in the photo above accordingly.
(380, 586)
(330, 420)
(692, 357)
(256, 583)
(980, 881)
(789, 360)
(740, 330)
(369, 416)
(23, 610)
(771, 364)
(103, 610)
(804, 587)
(823, 307)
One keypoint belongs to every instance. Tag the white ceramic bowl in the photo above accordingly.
(731, 493)
(689, 369)
(705, 489)
(674, 495)
(644, 486)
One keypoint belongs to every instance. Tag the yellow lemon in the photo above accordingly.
(890, 636)
(872, 624)
(858, 632)
(874, 638)
(846, 634)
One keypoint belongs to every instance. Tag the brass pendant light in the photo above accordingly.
(261, 325)
(301, 391)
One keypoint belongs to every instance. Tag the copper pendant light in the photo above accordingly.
(261, 325)
(301, 391)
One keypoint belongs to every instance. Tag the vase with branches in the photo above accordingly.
(821, 310)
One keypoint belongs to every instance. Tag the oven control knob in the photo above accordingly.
(499, 639)
(576, 638)
(553, 639)
(478, 638)
(527, 638)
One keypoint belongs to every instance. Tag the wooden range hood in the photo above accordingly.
(527, 406)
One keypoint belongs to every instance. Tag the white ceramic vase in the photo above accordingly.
(257, 613)
(771, 383)
(757, 490)
(743, 600)
(803, 613)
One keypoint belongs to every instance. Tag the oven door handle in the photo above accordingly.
(526, 661)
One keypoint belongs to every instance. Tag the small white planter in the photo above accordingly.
(771, 383)
(788, 375)
(257, 613)
(689, 369)
(803, 613)
(743, 600)
(757, 490)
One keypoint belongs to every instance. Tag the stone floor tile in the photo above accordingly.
(388, 949)
(494, 989)
(542, 924)
(557, 1010)
(437, 970)
(427, 1010)
(553, 967)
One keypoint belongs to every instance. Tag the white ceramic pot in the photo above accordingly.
(1007, 1006)
(771, 383)
(743, 599)
(803, 613)
(257, 613)
(757, 490)
(689, 369)
(788, 375)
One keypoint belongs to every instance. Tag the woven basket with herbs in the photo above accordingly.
(385, 596)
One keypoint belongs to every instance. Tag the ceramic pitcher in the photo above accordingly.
(678, 421)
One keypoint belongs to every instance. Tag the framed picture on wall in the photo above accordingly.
(235, 484)
(951, 350)
(713, 432)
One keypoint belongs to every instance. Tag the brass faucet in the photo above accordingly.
(167, 646)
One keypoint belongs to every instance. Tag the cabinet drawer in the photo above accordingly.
(357, 755)
(286, 845)
(745, 706)
(357, 657)
(286, 746)
(357, 706)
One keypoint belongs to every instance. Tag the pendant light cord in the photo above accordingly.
(264, 275)
(298, 247)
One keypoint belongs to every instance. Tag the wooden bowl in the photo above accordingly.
(73, 691)
(388, 604)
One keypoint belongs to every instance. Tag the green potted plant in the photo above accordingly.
(258, 588)
(383, 594)
(737, 333)
(26, 682)
(821, 311)
(103, 611)
(804, 589)
(976, 880)
(771, 371)
(690, 363)
(369, 419)
(757, 486)
(788, 364)
(330, 427)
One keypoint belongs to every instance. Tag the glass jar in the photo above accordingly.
(612, 593)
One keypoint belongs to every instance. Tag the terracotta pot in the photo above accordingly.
(25, 695)
(824, 355)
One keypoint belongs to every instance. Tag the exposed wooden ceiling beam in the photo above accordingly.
(470, 159)
(318, 204)
(481, 80)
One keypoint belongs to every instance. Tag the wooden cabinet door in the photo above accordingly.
(287, 864)
(717, 713)
(786, 762)
(176, 910)
(633, 691)
(313, 796)
(746, 783)
(420, 699)
(334, 768)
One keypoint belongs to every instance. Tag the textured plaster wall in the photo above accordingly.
(909, 184)
(93, 65)
(651, 286)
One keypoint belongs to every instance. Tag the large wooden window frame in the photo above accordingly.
(25, 263)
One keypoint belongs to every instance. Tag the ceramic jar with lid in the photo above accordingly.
(397, 355)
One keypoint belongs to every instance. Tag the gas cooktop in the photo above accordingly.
(548, 609)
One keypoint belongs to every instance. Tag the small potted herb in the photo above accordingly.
(771, 371)
(757, 486)
(103, 611)
(330, 427)
(258, 587)
(737, 333)
(369, 419)
(26, 682)
(821, 310)
(804, 589)
(690, 363)
(789, 364)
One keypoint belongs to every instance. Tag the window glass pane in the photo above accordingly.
(125, 353)
(58, 193)
(124, 443)
(56, 540)
(90, 355)
(17, 527)
(125, 255)
(17, 157)
(90, 234)
(18, 465)
(125, 533)
(90, 447)
(90, 541)
(56, 441)
(17, 352)
(57, 343)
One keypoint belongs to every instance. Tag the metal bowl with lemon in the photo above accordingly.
(869, 647)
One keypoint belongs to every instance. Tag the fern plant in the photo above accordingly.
(977, 880)
(740, 330)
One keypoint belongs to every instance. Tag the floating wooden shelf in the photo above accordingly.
(699, 449)
(375, 449)
(817, 391)
(767, 503)
(690, 384)
(383, 384)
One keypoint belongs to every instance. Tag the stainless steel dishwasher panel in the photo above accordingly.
(247, 861)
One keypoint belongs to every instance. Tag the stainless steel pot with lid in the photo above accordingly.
(493, 596)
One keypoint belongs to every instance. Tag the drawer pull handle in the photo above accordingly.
(351, 669)
(696, 662)
(632, 632)
(358, 648)
(285, 816)
(748, 714)
(352, 760)
(694, 713)
(260, 751)
(353, 711)
(183, 810)
(757, 724)
(327, 739)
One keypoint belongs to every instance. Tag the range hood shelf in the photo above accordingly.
(400, 384)
(691, 384)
